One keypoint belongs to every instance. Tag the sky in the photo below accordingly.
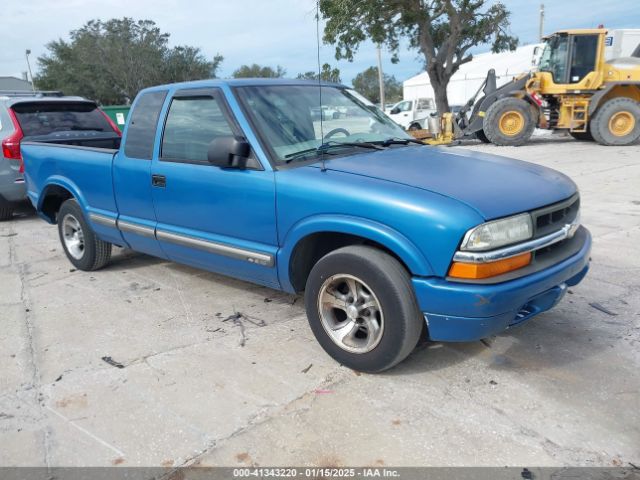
(268, 32)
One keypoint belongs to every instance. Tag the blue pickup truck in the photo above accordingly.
(389, 239)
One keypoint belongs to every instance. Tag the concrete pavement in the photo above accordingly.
(200, 387)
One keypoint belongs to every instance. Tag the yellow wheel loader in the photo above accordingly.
(573, 89)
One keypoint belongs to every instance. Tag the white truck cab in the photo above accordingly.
(412, 114)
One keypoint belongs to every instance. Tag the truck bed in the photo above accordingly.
(100, 140)
(54, 164)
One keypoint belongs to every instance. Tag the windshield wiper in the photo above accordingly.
(325, 147)
(398, 141)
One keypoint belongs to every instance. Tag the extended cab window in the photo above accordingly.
(141, 133)
(192, 123)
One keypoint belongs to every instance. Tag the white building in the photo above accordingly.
(466, 81)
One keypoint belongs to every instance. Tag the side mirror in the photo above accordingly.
(394, 111)
(535, 57)
(229, 152)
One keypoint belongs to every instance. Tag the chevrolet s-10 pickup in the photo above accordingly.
(389, 239)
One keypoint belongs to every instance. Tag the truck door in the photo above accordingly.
(402, 113)
(132, 175)
(220, 219)
(584, 51)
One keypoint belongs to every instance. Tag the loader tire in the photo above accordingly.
(509, 122)
(617, 122)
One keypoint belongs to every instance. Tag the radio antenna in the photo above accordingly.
(320, 82)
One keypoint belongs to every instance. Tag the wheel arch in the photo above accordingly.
(614, 90)
(418, 124)
(312, 238)
(57, 191)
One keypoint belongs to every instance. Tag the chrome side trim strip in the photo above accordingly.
(532, 245)
(250, 256)
(135, 228)
(103, 220)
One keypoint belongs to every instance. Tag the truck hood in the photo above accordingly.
(494, 186)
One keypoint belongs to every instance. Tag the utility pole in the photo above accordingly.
(541, 21)
(27, 53)
(380, 77)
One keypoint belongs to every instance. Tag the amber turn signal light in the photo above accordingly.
(489, 269)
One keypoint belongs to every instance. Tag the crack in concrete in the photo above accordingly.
(267, 413)
(30, 340)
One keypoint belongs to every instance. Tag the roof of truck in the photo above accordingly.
(241, 82)
(577, 31)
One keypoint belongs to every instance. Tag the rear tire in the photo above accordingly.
(83, 249)
(362, 309)
(6, 213)
(617, 122)
(582, 136)
(509, 122)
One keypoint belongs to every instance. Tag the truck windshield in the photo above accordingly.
(555, 57)
(292, 119)
(43, 118)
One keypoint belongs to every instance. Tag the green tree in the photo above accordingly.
(258, 71)
(111, 61)
(327, 74)
(366, 82)
(442, 30)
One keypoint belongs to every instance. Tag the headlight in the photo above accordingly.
(498, 233)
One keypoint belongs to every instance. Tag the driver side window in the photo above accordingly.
(405, 106)
(192, 123)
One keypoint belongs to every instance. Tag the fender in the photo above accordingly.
(598, 96)
(393, 240)
(59, 181)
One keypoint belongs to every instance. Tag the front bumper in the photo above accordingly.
(460, 312)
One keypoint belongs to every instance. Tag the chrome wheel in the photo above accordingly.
(73, 236)
(350, 313)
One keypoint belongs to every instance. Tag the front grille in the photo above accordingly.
(552, 218)
(548, 251)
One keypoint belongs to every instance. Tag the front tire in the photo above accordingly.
(617, 122)
(82, 247)
(509, 122)
(362, 309)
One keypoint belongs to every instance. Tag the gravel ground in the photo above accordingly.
(198, 389)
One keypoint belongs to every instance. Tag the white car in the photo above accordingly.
(412, 114)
